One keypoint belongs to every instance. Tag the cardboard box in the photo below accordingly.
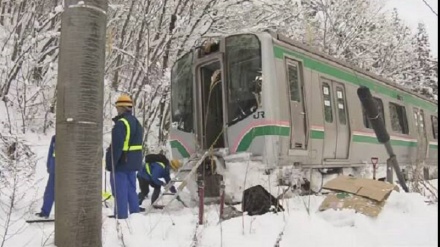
(365, 196)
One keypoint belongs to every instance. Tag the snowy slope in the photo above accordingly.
(406, 220)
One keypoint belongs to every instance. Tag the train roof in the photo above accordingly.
(314, 51)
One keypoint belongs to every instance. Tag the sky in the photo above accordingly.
(415, 11)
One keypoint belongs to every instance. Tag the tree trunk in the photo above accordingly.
(79, 124)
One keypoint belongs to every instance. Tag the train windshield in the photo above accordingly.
(244, 77)
(182, 94)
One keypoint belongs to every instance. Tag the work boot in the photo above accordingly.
(141, 198)
(42, 215)
(158, 206)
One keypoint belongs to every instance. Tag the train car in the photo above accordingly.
(285, 103)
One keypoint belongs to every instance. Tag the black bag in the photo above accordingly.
(258, 201)
(151, 158)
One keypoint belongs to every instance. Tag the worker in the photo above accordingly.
(124, 158)
(156, 167)
(49, 192)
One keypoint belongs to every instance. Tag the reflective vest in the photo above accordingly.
(53, 154)
(147, 167)
(126, 146)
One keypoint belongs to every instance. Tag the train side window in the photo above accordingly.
(399, 121)
(328, 113)
(379, 104)
(294, 84)
(341, 106)
(434, 123)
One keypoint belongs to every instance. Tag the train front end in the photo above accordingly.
(217, 95)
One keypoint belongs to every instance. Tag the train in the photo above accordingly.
(286, 104)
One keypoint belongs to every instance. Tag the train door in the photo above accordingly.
(422, 140)
(336, 124)
(210, 108)
(298, 125)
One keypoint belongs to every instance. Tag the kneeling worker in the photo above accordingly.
(156, 166)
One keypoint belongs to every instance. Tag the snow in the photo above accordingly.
(406, 220)
(59, 9)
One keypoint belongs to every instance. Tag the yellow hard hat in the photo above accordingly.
(175, 165)
(124, 100)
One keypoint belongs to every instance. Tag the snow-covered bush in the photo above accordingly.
(17, 169)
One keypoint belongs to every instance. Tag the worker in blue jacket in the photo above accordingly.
(49, 192)
(156, 166)
(124, 158)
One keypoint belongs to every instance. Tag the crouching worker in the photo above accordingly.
(156, 166)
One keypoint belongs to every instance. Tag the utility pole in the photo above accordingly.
(79, 122)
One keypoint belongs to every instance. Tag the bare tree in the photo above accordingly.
(17, 166)
(28, 38)
(146, 38)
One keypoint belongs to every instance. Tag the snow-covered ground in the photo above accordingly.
(406, 220)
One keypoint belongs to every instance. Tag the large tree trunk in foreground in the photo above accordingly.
(79, 124)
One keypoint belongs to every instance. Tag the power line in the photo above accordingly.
(429, 6)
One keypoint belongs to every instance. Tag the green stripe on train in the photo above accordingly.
(182, 150)
(353, 78)
(285, 131)
(314, 134)
(319, 134)
(370, 139)
(245, 143)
